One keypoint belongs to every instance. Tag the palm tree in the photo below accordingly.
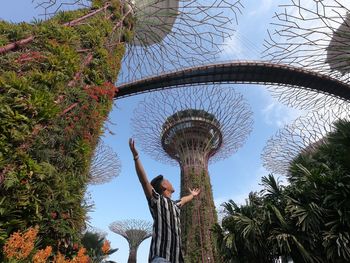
(242, 235)
(320, 196)
(307, 220)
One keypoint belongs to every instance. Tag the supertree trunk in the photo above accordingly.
(135, 232)
(132, 255)
(198, 217)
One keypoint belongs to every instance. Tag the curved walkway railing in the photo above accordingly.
(255, 72)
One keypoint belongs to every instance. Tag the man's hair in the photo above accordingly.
(157, 183)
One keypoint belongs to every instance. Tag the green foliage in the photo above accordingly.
(93, 242)
(12, 32)
(198, 217)
(97, 3)
(55, 95)
(128, 35)
(307, 220)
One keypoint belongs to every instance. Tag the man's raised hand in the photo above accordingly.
(133, 149)
(194, 191)
(185, 199)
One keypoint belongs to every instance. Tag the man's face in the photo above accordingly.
(168, 186)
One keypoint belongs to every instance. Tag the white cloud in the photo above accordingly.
(240, 47)
(276, 114)
(233, 47)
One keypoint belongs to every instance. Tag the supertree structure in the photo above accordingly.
(311, 34)
(168, 34)
(58, 75)
(105, 164)
(190, 127)
(304, 135)
(134, 231)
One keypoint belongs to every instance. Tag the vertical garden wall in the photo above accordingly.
(56, 89)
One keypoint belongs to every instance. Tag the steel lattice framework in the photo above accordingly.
(313, 35)
(192, 126)
(134, 231)
(105, 165)
(167, 34)
(230, 114)
(52, 7)
(194, 36)
(305, 134)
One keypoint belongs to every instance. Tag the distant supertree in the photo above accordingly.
(134, 231)
(314, 35)
(192, 126)
(304, 135)
(167, 34)
(105, 165)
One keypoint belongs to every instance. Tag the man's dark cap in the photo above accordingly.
(157, 183)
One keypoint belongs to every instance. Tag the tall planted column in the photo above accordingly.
(56, 90)
(198, 217)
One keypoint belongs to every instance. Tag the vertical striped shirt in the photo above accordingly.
(166, 236)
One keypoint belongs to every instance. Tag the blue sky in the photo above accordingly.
(232, 178)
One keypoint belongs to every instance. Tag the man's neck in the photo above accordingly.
(167, 194)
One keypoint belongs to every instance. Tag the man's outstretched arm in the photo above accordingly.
(185, 199)
(147, 187)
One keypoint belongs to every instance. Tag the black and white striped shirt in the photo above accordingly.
(166, 236)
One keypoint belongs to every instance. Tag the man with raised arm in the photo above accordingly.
(166, 236)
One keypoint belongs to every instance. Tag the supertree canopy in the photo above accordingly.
(192, 126)
(338, 51)
(134, 231)
(314, 35)
(304, 135)
(171, 34)
(105, 164)
(309, 33)
(154, 20)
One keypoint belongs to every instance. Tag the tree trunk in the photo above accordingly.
(198, 217)
(132, 255)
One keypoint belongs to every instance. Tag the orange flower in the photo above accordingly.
(19, 245)
(42, 255)
(81, 257)
(59, 258)
(106, 247)
(81, 251)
